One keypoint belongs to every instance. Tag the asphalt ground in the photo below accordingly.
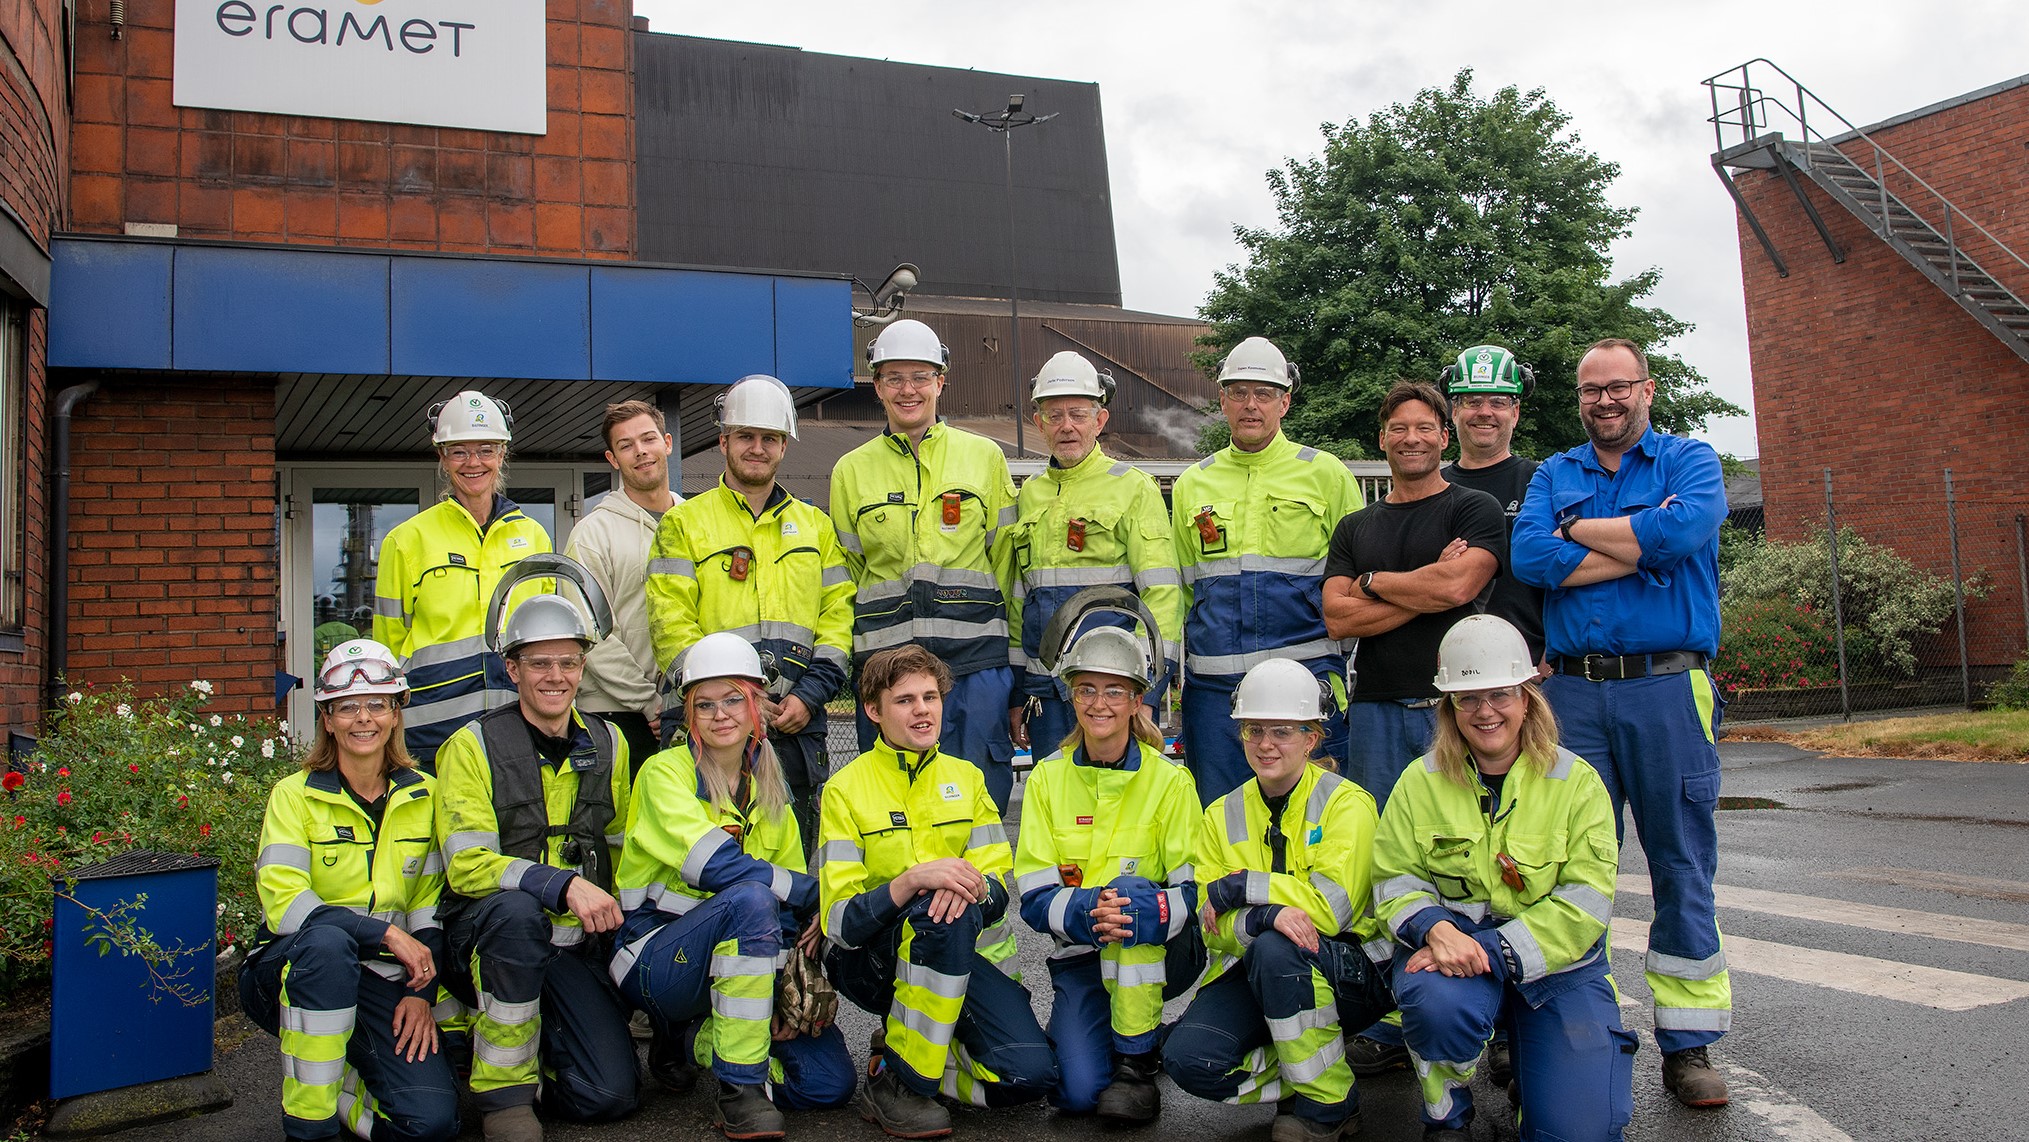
(1878, 921)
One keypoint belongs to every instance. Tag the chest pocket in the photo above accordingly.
(446, 588)
(1133, 853)
(1540, 859)
(1074, 841)
(884, 532)
(950, 836)
(339, 864)
(1211, 535)
(1295, 527)
(1450, 862)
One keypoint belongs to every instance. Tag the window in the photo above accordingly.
(13, 466)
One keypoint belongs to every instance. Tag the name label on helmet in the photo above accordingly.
(457, 560)
(950, 791)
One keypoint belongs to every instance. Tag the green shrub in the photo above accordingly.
(114, 772)
(2012, 692)
(1775, 644)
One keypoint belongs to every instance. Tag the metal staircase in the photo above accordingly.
(1860, 175)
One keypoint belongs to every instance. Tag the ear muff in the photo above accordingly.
(430, 416)
(1444, 378)
(1528, 376)
(1107, 387)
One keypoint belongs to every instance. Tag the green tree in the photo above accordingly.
(1450, 221)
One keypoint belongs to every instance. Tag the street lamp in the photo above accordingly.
(1005, 122)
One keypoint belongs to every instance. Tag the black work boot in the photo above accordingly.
(1296, 1128)
(746, 1113)
(671, 1065)
(1373, 1057)
(900, 1111)
(1132, 1095)
(1689, 1075)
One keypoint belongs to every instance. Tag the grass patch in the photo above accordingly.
(1990, 735)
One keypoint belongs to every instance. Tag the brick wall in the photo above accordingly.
(1867, 368)
(274, 178)
(34, 149)
(173, 559)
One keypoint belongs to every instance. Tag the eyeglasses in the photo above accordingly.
(459, 455)
(1618, 390)
(1088, 693)
(731, 704)
(1280, 735)
(906, 382)
(1499, 699)
(1241, 394)
(545, 664)
(1057, 416)
(1483, 400)
(350, 707)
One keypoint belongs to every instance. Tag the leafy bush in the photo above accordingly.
(2012, 692)
(1775, 644)
(113, 773)
(1887, 603)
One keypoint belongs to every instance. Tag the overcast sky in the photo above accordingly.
(1201, 99)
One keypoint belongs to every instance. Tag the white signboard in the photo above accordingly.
(477, 64)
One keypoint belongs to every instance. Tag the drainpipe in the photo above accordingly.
(59, 542)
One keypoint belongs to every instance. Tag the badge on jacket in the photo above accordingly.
(950, 791)
(789, 528)
(898, 820)
(457, 560)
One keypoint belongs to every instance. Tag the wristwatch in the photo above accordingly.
(1564, 527)
(1367, 588)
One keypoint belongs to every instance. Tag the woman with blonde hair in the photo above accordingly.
(349, 991)
(714, 886)
(1494, 872)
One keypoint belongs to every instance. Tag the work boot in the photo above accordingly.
(1373, 1057)
(745, 1112)
(902, 1112)
(1296, 1128)
(1444, 1134)
(1689, 1075)
(1500, 1063)
(1132, 1095)
(670, 1064)
(640, 1028)
(513, 1124)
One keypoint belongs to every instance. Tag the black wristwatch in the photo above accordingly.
(1367, 588)
(1564, 527)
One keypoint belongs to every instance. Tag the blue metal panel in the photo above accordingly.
(110, 1024)
(280, 311)
(484, 318)
(813, 332)
(681, 325)
(109, 305)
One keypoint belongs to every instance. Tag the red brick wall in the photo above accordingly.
(273, 178)
(1867, 368)
(34, 161)
(173, 558)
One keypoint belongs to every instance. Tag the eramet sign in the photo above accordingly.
(477, 64)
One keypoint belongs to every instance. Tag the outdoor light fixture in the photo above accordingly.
(887, 298)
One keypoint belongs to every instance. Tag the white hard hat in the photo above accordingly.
(1108, 650)
(721, 655)
(1257, 359)
(359, 667)
(758, 401)
(471, 415)
(908, 340)
(542, 618)
(1282, 690)
(1482, 652)
(1069, 374)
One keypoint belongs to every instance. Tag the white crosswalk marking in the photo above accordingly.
(1901, 921)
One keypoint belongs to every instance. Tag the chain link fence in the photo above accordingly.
(1887, 599)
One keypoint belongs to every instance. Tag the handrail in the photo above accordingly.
(1749, 109)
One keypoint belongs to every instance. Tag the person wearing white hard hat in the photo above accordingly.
(924, 512)
(439, 566)
(1085, 520)
(1105, 868)
(1296, 953)
(1494, 873)
(535, 801)
(612, 542)
(716, 891)
(1252, 522)
(749, 558)
(344, 970)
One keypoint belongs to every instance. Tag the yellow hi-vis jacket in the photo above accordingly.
(888, 811)
(438, 569)
(922, 528)
(1098, 523)
(1326, 832)
(1438, 853)
(778, 580)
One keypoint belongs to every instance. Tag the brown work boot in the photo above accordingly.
(1295, 1128)
(746, 1113)
(1689, 1075)
(902, 1112)
(513, 1124)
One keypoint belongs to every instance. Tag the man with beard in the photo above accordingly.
(1623, 533)
(612, 542)
(1486, 386)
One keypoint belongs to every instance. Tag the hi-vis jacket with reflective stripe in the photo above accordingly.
(1326, 838)
(887, 812)
(1251, 532)
(438, 569)
(1098, 523)
(323, 862)
(778, 581)
(681, 849)
(1438, 849)
(922, 530)
(469, 829)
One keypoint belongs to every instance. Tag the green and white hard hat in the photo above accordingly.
(1487, 369)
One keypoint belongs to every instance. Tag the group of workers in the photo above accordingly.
(1375, 853)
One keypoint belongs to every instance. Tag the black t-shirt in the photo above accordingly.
(1518, 602)
(1386, 536)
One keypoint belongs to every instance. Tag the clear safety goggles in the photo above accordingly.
(373, 672)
